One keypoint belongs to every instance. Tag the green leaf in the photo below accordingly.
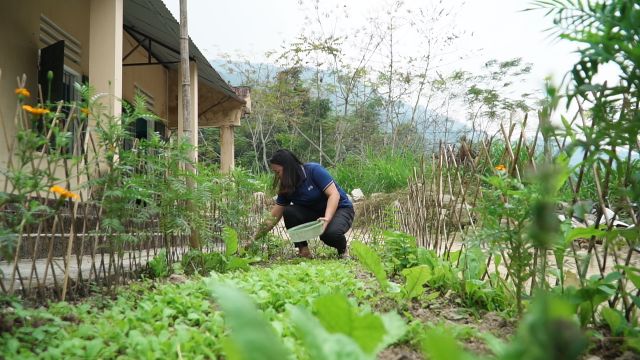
(454, 256)
(230, 237)
(337, 315)
(416, 278)
(231, 349)
(426, 257)
(614, 319)
(434, 295)
(632, 234)
(252, 335)
(395, 328)
(371, 261)
(236, 263)
(159, 265)
(93, 349)
(584, 313)
(562, 163)
(611, 277)
(633, 343)
(578, 233)
(633, 274)
(440, 344)
(319, 343)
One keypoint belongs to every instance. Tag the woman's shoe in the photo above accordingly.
(304, 252)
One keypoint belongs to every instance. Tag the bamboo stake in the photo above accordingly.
(72, 235)
(507, 144)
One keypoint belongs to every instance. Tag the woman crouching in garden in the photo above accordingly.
(307, 192)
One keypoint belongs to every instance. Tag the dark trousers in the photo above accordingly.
(333, 235)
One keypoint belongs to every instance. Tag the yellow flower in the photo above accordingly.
(58, 189)
(23, 92)
(64, 193)
(84, 111)
(71, 195)
(501, 168)
(35, 111)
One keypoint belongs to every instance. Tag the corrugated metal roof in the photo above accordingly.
(150, 19)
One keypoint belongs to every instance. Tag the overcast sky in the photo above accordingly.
(493, 29)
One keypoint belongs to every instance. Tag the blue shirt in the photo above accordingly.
(311, 191)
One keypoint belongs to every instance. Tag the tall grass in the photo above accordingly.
(376, 172)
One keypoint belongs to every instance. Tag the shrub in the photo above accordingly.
(197, 262)
(159, 266)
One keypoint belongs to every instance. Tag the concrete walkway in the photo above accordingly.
(131, 260)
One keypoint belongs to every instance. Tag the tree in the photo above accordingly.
(194, 240)
(490, 99)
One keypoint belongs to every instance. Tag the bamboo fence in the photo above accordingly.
(440, 209)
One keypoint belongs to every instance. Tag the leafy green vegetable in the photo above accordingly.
(440, 344)
(395, 329)
(196, 261)
(159, 266)
(321, 344)
(337, 315)
(230, 238)
(614, 319)
(416, 277)
(371, 261)
(251, 335)
(236, 263)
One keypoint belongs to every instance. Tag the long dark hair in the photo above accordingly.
(292, 172)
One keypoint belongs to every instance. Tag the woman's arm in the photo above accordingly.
(270, 221)
(333, 198)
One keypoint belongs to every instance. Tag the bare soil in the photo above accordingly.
(446, 309)
(400, 352)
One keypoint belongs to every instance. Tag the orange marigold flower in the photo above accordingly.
(40, 111)
(57, 189)
(71, 195)
(501, 168)
(64, 193)
(22, 91)
(35, 111)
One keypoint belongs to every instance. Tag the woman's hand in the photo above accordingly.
(325, 222)
(267, 224)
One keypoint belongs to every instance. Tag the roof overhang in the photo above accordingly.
(153, 26)
(215, 109)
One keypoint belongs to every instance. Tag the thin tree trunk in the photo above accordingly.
(186, 79)
(319, 121)
(390, 89)
(194, 240)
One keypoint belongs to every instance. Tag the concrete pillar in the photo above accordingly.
(193, 79)
(105, 51)
(227, 152)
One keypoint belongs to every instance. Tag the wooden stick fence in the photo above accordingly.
(62, 249)
(440, 209)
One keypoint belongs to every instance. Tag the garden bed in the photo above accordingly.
(162, 319)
